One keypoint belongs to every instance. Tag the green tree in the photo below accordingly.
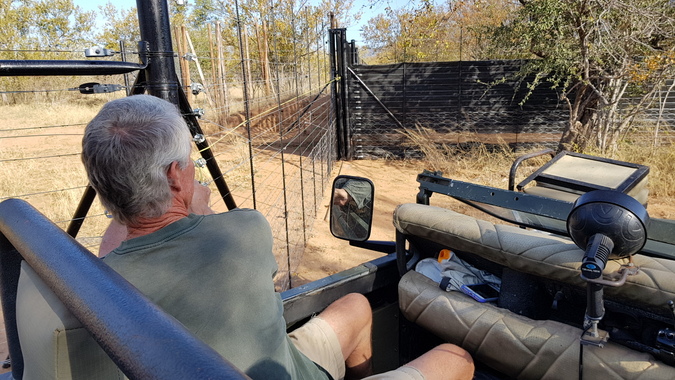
(426, 31)
(599, 53)
(472, 22)
(58, 24)
(120, 25)
(408, 35)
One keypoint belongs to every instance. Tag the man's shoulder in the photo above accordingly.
(238, 218)
(241, 214)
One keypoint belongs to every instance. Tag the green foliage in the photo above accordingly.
(278, 38)
(434, 31)
(120, 25)
(593, 51)
(41, 24)
(41, 29)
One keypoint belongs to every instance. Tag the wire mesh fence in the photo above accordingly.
(268, 123)
(460, 104)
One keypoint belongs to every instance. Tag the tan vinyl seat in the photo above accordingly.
(517, 346)
(553, 257)
(536, 349)
(53, 342)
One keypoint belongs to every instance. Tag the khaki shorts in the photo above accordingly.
(317, 340)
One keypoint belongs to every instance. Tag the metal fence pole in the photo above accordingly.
(297, 102)
(247, 110)
(283, 157)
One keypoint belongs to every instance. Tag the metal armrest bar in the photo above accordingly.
(144, 341)
(519, 160)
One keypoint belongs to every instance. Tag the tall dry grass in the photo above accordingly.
(479, 163)
(490, 166)
(39, 162)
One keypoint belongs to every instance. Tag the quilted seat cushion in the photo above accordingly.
(515, 345)
(534, 252)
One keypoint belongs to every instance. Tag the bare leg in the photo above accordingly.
(447, 361)
(351, 318)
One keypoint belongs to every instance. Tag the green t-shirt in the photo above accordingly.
(214, 274)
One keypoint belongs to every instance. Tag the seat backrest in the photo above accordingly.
(53, 342)
(544, 255)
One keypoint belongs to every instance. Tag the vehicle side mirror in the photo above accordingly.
(351, 208)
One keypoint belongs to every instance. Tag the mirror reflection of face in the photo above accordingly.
(351, 209)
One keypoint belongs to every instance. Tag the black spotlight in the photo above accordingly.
(604, 223)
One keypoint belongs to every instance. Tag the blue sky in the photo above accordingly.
(352, 31)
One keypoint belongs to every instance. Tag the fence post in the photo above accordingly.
(181, 42)
(283, 157)
(215, 84)
(207, 93)
(298, 91)
(338, 68)
(221, 71)
(247, 110)
(123, 57)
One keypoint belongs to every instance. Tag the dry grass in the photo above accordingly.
(55, 181)
(490, 165)
(39, 146)
(478, 163)
(660, 159)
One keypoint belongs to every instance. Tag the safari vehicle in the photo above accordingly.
(586, 277)
(572, 232)
(551, 320)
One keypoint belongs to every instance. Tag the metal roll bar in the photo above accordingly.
(142, 340)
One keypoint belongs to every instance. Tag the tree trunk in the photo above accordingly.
(582, 120)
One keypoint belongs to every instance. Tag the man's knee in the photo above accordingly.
(357, 303)
(352, 306)
(446, 361)
(459, 360)
(351, 318)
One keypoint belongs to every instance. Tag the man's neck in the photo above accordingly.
(146, 226)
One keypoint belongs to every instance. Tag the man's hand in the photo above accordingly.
(340, 197)
(200, 200)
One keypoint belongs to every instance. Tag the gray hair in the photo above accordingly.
(127, 149)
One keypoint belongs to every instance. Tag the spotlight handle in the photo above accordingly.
(595, 308)
(595, 258)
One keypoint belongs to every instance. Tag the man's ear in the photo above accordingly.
(173, 175)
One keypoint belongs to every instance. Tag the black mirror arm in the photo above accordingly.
(375, 245)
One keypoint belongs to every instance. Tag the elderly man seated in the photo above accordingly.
(213, 272)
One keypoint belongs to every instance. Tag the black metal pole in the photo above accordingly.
(206, 152)
(62, 68)
(153, 20)
(344, 93)
(161, 80)
(81, 211)
(335, 64)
